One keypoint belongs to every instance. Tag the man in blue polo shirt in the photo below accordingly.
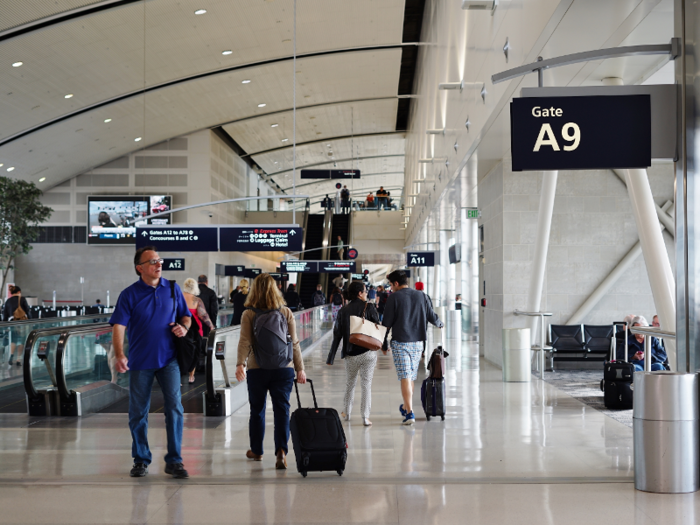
(148, 310)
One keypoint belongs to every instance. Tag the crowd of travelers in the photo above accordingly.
(342, 203)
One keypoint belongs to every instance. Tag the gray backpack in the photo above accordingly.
(273, 344)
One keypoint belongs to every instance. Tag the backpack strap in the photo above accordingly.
(172, 296)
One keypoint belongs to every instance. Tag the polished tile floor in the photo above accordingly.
(506, 454)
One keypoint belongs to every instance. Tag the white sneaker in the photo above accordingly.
(366, 422)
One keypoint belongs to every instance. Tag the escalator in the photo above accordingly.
(340, 228)
(314, 241)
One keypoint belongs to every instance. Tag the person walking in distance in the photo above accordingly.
(406, 315)
(210, 300)
(358, 360)
(154, 311)
(340, 248)
(198, 312)
(319, 298)
(267, 311)
(16, 308)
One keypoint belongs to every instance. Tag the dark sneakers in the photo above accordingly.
(139, 470)
(177, 470)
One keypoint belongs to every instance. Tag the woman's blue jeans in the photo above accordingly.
(655, 367)
(279, 384)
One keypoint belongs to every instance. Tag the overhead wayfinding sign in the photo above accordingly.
(336, 266)
(330, 174)
(235, 270)
(581, 133)
(260, 238)
(420, 259)
(174, 239)
(299, 266)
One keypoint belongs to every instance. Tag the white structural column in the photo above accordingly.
(539, 262)
(663, 285)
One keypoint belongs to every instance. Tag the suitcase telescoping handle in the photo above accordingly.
(313, 393)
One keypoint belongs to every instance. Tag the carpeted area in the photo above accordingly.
(584, 386)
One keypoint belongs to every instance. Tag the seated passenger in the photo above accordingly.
(636, 349)
(620, 339)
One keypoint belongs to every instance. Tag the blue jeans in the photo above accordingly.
(279, 383)
(655, 367)
(381, 203)
(140, 385)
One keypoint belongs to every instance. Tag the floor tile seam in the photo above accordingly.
(325, 481)
(165, 503)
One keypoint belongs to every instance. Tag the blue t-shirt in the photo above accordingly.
(372, 294)
(147, 313)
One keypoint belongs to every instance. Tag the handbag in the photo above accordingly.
(366, 334)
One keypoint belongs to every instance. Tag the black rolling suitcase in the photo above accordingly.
(432, 392)
(318, 438)
(617, 385)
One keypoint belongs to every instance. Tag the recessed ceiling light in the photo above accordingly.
(262, 105)
(200, 11)
(42, 179)
(274, 125)
(11, 169)
(245, 81)
(108, 120)
(17, 64)
(69, 95)
(1, 164)
(285, 140)
(227, 52)
(137, 139)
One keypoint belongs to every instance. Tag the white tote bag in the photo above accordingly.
(366, 334)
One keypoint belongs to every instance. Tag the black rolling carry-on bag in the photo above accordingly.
(617, 385)
(318, 438)
(432, 395)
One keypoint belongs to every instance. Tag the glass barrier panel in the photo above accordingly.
(40, 374)
(224, 318)
(89, 358)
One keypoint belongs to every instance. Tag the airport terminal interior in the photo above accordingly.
(524, 170)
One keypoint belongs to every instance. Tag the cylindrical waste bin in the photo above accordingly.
(516, 355)
(454, 324)
(666, 419)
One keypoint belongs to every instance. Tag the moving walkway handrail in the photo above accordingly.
(10, 324)
(648, 332)
(211, 342)
(69, 331)
(29, 388)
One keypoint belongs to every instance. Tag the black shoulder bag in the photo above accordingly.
(186, 348)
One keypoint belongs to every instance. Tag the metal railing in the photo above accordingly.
(542, 348)
(648, 332)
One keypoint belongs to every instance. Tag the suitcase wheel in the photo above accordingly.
(303, 473)
(340, 472)
(602, 385)
(428, 418)
(442, 418)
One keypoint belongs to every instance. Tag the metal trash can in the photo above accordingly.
(454, 324)
(516, 355)
(666, 419)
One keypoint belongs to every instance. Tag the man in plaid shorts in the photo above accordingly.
(406, 315)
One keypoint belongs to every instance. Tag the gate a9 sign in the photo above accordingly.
(581, 133)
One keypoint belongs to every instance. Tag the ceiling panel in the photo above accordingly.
(19, 12)
(317, 123)
(333, 150)
(187, 107)
(121, 50)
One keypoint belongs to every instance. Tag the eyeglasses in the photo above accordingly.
(152, 262)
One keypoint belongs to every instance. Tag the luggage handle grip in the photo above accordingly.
(313, 393)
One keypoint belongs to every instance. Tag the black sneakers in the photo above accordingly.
(177, 470)
(139, 470)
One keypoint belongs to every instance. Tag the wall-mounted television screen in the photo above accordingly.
(113, 219)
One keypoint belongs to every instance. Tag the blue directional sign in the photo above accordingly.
(173, 265)
(420, 259)
(299, 266)
(171, 238)
(260, 238)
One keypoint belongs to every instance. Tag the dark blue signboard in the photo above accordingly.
(260, 238)
(420, 259)
(277, 276)
(172, 238)
(237, 270)
(330, 174)
(336, 266)
(581, 133)
(252, 273)
(299, 266)
(173, 265)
